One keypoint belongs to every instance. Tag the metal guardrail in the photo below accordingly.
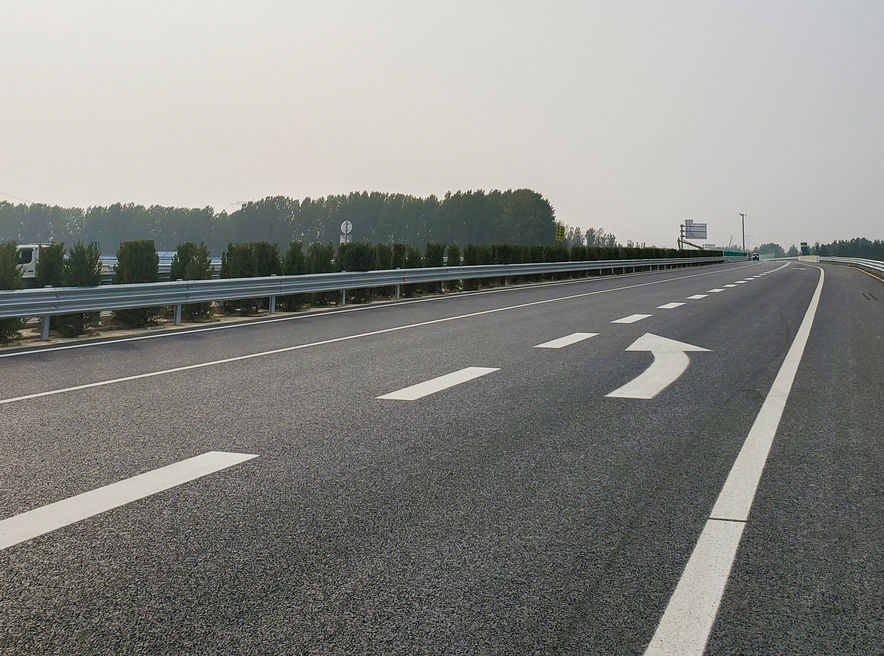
(52, 301)
(875, 267)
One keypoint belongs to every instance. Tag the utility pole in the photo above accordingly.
(743, 221)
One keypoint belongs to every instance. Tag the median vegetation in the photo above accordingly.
(138, 262)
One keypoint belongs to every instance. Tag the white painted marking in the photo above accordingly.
(716, 290)
(566, 341)
(669, 306)
(688, 619)
(730, 285)
(632, 318)
(742, 282)
(74, 509)
(670, 362)
(695, 602)
(438, 384)
(697, 297)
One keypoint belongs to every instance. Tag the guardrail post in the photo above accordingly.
(272, 299)
(343, 297)
(44, 322)
(178, 308)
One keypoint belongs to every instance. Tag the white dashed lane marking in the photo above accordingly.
(566, 341)
(74, 509)
(438, 384)
(632, 318)
(669, 306)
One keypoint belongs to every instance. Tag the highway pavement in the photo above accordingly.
(530, 469)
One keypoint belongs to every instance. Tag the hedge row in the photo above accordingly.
(138, 262)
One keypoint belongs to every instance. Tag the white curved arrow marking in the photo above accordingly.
(670, 362)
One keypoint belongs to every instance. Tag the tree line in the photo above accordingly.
(520, 216)
(857, 247)
(138, 262)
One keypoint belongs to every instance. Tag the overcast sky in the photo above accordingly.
(626, 115)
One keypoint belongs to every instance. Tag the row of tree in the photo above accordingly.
(138, 262)
(858, 247)
(520, 216)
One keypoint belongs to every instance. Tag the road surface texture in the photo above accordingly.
(525, 470)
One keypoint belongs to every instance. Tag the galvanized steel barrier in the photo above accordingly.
(875, 267)
(52, 301)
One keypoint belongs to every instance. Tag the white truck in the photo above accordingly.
(28, 255)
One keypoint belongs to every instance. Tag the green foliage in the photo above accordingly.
(320, 259)
(453, 255)
(399, 251)
(434, 255)
(792, 252)
(520, 216)
(50, 266)
(137, 262)
(294, 264)
(82, 269)
(413, 260)
(356, 256)
(192, 262)
(771, 249)
(249, 260)
(10, 278)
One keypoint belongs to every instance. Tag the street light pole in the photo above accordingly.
(743, 221)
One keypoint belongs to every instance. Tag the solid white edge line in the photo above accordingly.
(567, 340)
(434, 385)
(56, 515)
(687, 621)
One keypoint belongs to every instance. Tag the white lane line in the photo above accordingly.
(438, 384)
(566, 341)
(742, 282)
(697, 297)
(213, 363)
(632, 318)
(716, 290)
(669, 306)
(730, 285)
(687, 621)
(73, 509)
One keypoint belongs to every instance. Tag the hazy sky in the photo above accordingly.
(626, 115)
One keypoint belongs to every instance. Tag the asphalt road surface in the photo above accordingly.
(544, 469)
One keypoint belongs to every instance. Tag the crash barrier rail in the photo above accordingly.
(875, 267)
(52, 301)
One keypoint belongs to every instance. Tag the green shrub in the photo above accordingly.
(250, 260)
(137, 262)
(192, 262)
(399, 251)
(320, 259)
(294, 264)
(82, 269)
(356, 256)
(413, 260)
(50, 266)
(10, 278)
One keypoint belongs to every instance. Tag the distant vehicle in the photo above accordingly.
(754, 257)
(28, 255)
